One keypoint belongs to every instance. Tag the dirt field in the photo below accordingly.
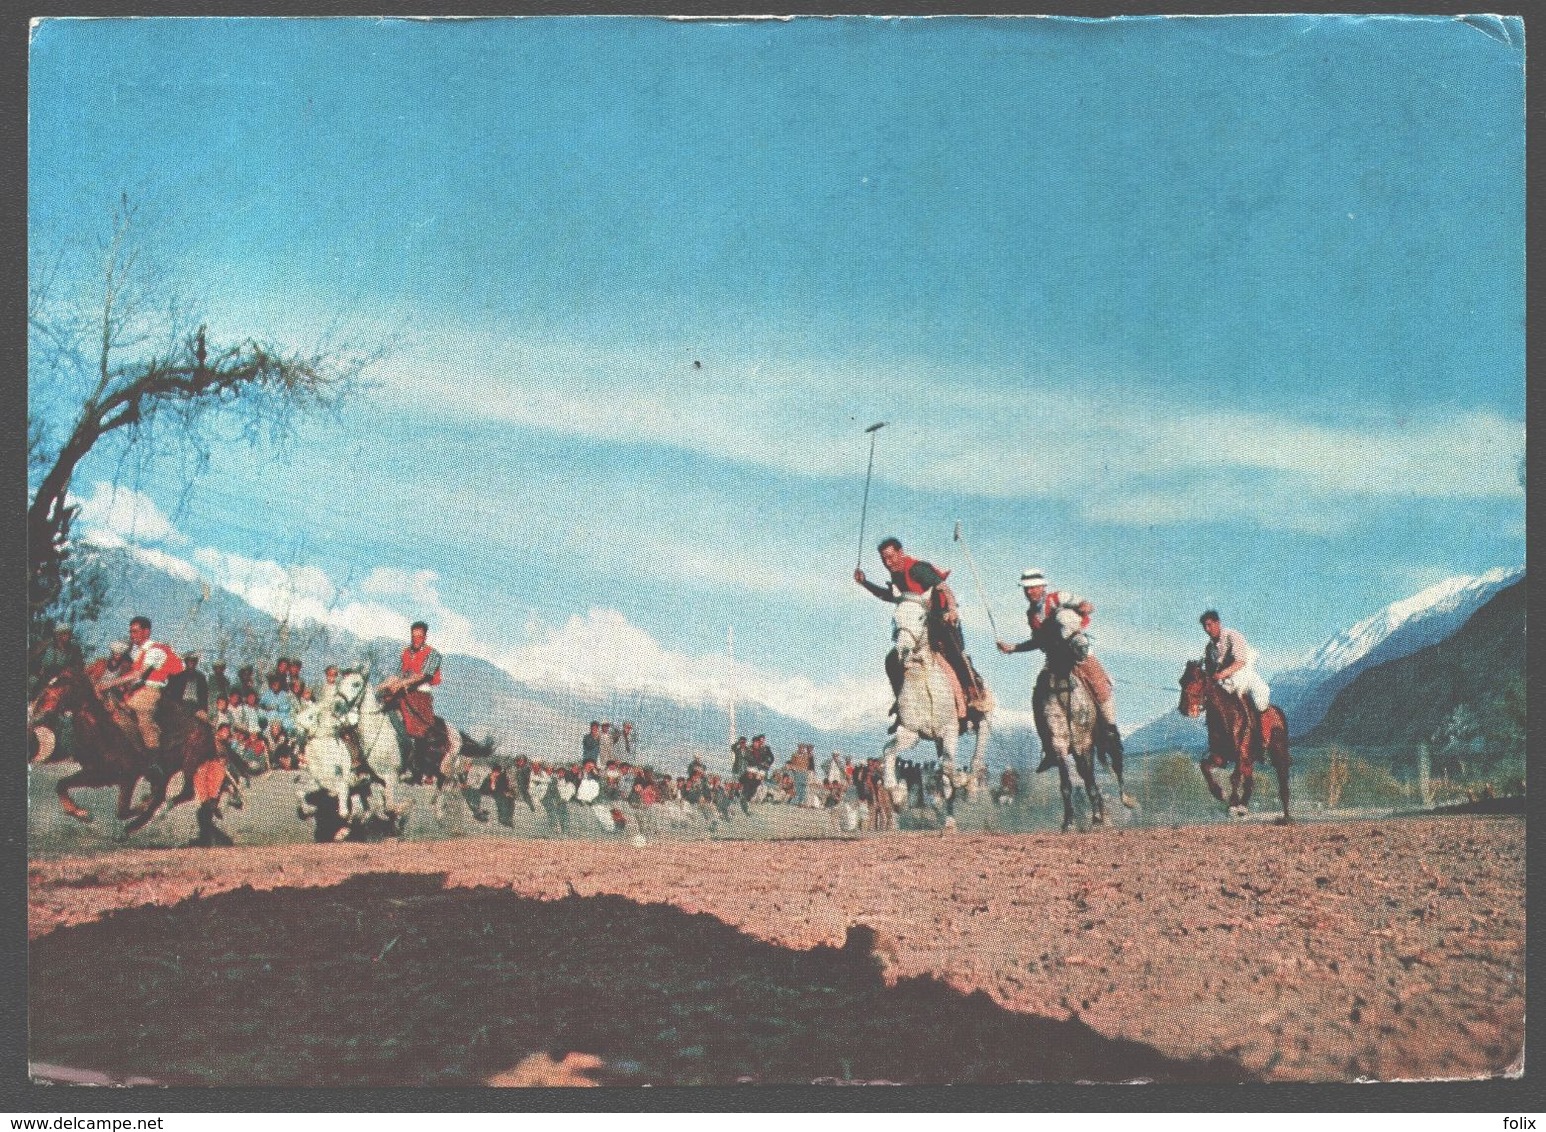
(1325, 951)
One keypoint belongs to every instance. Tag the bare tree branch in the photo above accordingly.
(195, 387)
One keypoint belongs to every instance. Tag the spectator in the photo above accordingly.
(590, 745)
(626, 742)
(1008, 787)
(522, 781)
(280, 743)
(195, 686)
(277, 703)
(246, 681)
(498, 786)
(59, 653)
(219, 682)
(244, 713)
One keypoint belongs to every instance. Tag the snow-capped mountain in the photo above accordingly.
(1400, 629)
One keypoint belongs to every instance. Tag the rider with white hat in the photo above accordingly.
(1066, 613)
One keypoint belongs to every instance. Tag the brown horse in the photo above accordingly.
(1235, 736)
(110, 757)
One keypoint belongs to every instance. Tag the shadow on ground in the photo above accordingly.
(392, 979)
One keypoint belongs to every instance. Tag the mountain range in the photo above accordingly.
(1465, 693)
(546, 720)
(541, 719)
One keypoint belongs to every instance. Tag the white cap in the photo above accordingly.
(117, 648)
(1032, 577)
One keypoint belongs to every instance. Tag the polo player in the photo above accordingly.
(420, 671)
(913, 579)
(1042, 607)
(1231, 661)
(151, 666)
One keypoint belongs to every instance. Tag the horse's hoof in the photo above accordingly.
(950, 823)
(80, 815)
(1068, 825)
(1129, 801)
(343, 832)
(1284, 820)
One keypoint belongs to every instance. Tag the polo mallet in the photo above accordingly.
(864, 513)
(978, 578)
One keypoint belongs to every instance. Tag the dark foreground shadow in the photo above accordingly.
(393, 979)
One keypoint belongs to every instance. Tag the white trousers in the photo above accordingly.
(1249, 683)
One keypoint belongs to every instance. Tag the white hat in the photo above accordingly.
(1032, 577)
(117, 648)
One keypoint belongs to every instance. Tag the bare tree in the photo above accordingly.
(153, 380)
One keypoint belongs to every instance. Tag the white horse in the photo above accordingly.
(379, 740)
(326, 758)
(926, 709)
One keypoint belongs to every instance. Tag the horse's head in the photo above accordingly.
(350, 693)
(911, 632)
(65, 692)
(1194, 689)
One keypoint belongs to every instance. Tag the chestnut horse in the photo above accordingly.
(109, 757)
(1235, 736)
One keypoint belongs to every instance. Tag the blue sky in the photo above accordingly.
(1188, 312)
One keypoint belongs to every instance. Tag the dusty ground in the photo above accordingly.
(1323, 951)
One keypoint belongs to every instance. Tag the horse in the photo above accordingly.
(1235, 736)
(1067, 724)
(927, 708)
(329, 760)
(110, 752)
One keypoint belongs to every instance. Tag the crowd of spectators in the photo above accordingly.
(255, 715)
(607, 786)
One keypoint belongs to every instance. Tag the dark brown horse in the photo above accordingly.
(110, 757)
(1235, 732)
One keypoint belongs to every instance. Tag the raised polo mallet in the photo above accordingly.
(978, 577)
(872, 430)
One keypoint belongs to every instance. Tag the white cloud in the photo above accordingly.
(604, 651)
(600, 652)
(114, 516)
(1131, 459)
